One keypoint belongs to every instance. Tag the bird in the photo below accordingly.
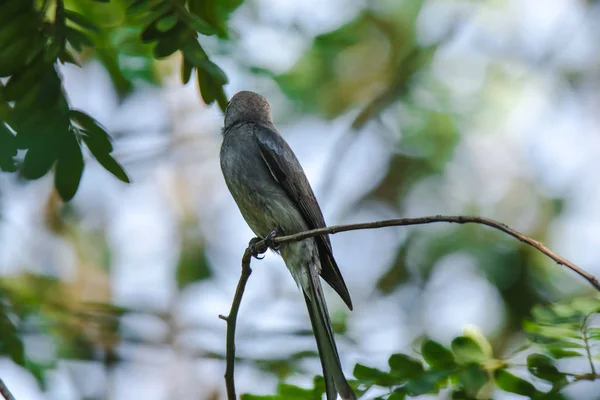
(273, 194)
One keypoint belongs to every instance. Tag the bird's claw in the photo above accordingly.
(269, 243)
(270, 239)
(253, 250)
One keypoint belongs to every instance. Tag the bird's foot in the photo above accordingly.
(270, 239)
(254, 251)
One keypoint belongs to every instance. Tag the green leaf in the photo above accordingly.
(77, 38)
(558, 330)
(318, 387)
(8, 149)
(429, 382)
(472, 379)
(513, 384)
(82, 21)
(96, 133)
(558, 353)
(373, 375)
(108, 162)
(69, 167)
(186, 71)
(543, 367)
(193, 265)
(196, 23)
(466, 350)
(39, 158)
(436, 355)
(399, 395)
(292, 392)
(211, 91)
(10, 10)
(24, 81)
(194, 53)
(166, 23)
(404, 367)
(214, 71)
(247, 396)
(11, 343)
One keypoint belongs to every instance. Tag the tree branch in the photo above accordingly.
(231, 319)
(257, 246)
(434, 219)
(5, 392)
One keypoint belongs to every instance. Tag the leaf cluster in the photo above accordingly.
(468, 370)
(35, 36)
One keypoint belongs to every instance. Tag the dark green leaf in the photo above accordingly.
(194, 53)
(318, 387)
(466, 350)
(513, 384)
(107, 161)
(373, 375)
(77, 38)
(20, 26)
(12, 9)
(50, 90)
(210, 90)
(247, 396)
(399, 395)
(81, 20)
(196, 23)
(214, 71)
(54, 49)
(186, 71)
(558, 353)
(436, 355)
(8, 149)
(69, 167)
(543, 367)
(292, 392)
(10, 343)
(40, 157)
(65, 56)
(472, 379)
(429, 382)
(151, 32)
(405, 367)
(21, 83)
(95, 132)
(166, 23)
(193, 265)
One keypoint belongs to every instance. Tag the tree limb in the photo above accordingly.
(259, 246)
(231, 319)
(5, 392)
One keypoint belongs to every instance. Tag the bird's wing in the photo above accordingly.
(286, 170)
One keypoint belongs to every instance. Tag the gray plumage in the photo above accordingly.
(270, 188)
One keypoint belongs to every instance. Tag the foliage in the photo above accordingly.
(468, 369)
(37, 35)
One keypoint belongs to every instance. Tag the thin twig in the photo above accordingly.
(433, 219)
(588, 351)
(5, 392)
(231, 320)
(259, 247)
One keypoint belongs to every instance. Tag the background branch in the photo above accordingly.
(5, 392)
(231, 321)
(259, 246)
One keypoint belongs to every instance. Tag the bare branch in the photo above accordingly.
(259, 246)
(5, 392)
(434, 219)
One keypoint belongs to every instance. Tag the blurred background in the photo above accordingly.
(395, 109)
